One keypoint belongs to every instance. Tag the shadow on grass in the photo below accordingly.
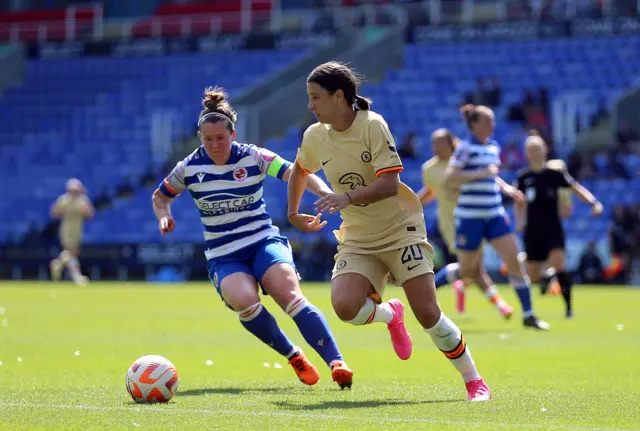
(228, 391)
(363, 404)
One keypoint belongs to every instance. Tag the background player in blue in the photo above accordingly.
(479, 214)
(243, 248)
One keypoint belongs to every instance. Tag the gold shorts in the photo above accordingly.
(448, 232)
(395, 265)
(70, 242)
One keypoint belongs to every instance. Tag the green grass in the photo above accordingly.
(582, 375)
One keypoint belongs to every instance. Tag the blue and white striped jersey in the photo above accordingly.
(228, 196)
(479, 199)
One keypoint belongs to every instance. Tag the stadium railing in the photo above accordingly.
(89, 22)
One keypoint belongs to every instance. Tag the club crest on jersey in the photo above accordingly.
(366, 157)
(341, 264)
(240, 174)
(462, 240)
(200, 176)
(353, 180)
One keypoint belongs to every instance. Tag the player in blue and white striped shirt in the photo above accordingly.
(243, 247)
(480, 214)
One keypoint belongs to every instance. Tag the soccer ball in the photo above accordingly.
(152, 379)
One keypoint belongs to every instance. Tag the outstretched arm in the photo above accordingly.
(588, 197)
(313, 183)
(298, 181)
(426, 195)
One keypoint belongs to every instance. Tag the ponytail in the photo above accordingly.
(362, 103)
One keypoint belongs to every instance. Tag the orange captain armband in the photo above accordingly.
(397, 169)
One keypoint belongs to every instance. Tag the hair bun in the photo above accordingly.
(467, 109)
(534, 132)
(214, 98)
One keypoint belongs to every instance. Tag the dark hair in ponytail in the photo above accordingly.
(473, 113)
(334, 76)
(217, 109)
(470, 114)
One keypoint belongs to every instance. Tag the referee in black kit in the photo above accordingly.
(539, 215)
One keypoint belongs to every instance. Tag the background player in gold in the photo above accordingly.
(433, 171)
(383, 231)
(72, 208)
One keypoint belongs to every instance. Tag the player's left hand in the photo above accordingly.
(332, 203)
(597, 209)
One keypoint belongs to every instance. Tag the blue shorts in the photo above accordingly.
(470, 232)
(254, 260)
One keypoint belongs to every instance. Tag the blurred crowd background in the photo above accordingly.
(109, 92)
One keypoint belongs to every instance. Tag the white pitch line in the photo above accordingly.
(155, 409)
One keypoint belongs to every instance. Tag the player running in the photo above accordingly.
(383, 230)
(72, 209)
(479, 214)
(444, 143)
(243, 248)
(539, 217)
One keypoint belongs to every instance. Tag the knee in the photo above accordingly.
(345, 307)
(469, 270)
(428, 315)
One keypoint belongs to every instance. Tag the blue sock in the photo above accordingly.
(257, 320)
(523, 289)
(314, 328)
(447, 275)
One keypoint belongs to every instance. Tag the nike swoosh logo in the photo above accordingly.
(324, 163)
(444, 336)
(414, 266)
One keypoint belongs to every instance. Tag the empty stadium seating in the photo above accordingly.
(97, 125)
(91, 118)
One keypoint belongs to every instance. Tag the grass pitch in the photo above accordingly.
(65, 352)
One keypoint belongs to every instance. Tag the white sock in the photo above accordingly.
(371, 313)
(448, 338)
(453, 272)
(493, 295)
(296, 305)
(64, 258)
(74, 269)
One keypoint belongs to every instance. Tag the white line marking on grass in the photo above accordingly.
(158, 409)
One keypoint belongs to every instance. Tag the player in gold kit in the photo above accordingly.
(72, 208)
(383, 233)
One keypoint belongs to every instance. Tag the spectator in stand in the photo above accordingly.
(409, 147)
(543, 99)
(102, 200)
(494, 94)
(615, 168)
(581, 165)
(590, 268)
(626, 138)
(479, 96)
(148, 179)
(512, 157)
(620, 243)
(125, 189)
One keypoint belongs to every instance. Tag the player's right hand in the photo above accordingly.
(307, 223)
(166, 225)
(597, 208)
(492, 170)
